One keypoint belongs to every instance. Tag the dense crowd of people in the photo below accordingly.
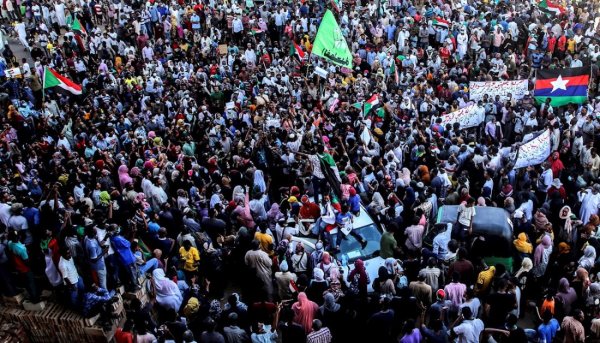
(207, 159)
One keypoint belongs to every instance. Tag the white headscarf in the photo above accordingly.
(214, 199)
(164, 286)
(377, 202)
(238, 194)
(259, 181)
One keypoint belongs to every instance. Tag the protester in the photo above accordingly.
(297, 157)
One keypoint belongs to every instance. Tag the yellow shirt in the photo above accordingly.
(190, 257)
(130, 82)
(484, 279)
(571, 45)
(265, 241)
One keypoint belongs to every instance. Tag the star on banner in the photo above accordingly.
(559, 84)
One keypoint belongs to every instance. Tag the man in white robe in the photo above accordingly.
(590, 202)
(22, 33)
(60, 13)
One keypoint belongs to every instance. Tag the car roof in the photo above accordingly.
(492, 222)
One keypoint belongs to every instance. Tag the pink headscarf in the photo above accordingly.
(304, 311)
(141, 199)
(124, 177)
(539, 250)
(334, 273)
(481, 201)
(135, 171)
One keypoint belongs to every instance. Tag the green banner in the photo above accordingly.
(331, 44)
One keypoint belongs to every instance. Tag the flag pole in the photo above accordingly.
(589, 81)
(44, 86)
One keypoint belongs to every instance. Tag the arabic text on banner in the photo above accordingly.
(534, 152)
(517, 88)
(467, 117)
(331, 44)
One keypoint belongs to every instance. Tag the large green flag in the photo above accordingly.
(76, 26)
(331, 44)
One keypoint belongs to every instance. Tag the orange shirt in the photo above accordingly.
(547, 305)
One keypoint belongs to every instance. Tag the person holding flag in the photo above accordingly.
(169, 118)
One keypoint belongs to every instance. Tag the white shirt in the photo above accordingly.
(18, 223)
(474, 305)
(469, 330)
(527, 208)
(466, 214)
(237, 25)
(148, 53)
(4, 213)
(278, 19)
(68, 270)
(65, 143)
(576, 63)
(100, 235)
(547, 177)
(80, 66)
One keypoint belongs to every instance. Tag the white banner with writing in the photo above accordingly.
(12, 72)
(534, 152)
(467, 117)
(517, 88)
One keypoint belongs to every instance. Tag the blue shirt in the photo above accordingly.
(536, 59)
(343, 219)
(195, 21)
(440, 243)
(122, 247)
(163, 10)
(371, 55)
(94, 253)
(19, 250)
(32, 215)
(153, 227)
(154, 14)
(354, 202)
(546, 332)
(391, 31)
(91, 300)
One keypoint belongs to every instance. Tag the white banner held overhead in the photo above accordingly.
(12, 72)
(517, 88)
(467, 117)
(534, 152)
(320, 71)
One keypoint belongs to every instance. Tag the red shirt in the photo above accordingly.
(123, 336)
(19, 264)
(444, 53)
(551, 44)
(562, 43)
(310, 210)
(561, 191)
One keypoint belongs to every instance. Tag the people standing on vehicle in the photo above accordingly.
(194, 128)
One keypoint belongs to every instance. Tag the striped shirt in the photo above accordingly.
(321, 336)
(315, 162)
